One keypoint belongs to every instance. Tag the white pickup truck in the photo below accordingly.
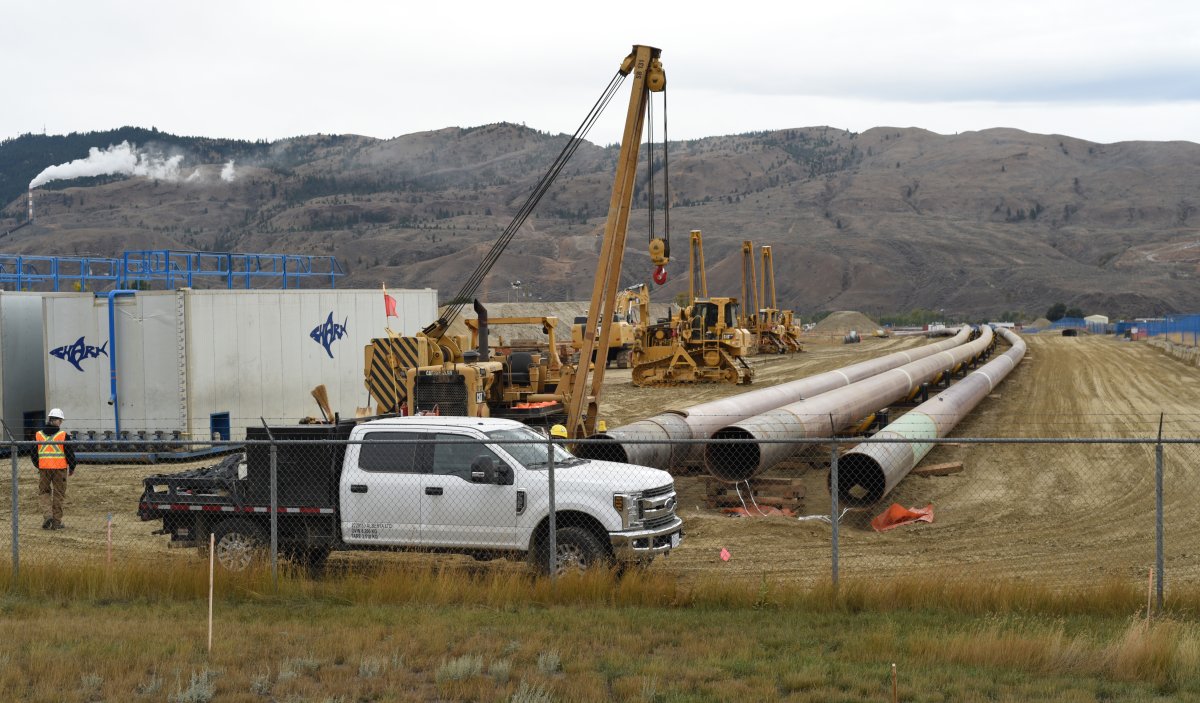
(478, 486)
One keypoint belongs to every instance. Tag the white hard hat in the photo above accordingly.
(55, 413)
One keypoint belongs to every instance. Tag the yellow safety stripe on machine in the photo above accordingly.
(387, 359)
(51, 454)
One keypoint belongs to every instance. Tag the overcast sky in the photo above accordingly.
(1101, 70)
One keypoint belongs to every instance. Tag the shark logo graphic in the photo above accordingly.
(77, 352)
(329, 332)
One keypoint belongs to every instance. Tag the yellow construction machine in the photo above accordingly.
(433, 371)
(704, 344)
(777, 331)
(628, 323)
(748, 319)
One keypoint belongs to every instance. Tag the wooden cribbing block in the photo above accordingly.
(953, 467)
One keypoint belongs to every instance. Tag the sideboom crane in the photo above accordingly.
(648, 77)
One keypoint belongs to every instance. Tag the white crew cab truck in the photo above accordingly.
(478, 486)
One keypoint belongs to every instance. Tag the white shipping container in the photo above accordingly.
(22, 372)
(205, 361)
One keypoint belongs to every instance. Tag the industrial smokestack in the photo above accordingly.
(31, 205)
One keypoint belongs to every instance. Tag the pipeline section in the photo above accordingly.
(869, 471)
(656, 441)
(730, 457)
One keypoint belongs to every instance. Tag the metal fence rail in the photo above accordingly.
(1054, 512)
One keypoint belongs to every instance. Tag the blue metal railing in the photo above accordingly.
(19, 272)
(149, 268)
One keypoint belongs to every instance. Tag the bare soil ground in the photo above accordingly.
(1049, 514)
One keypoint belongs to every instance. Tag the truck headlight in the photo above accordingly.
(629, 507)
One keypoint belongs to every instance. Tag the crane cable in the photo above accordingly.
(472, 284)
(650, 166)
(666, 182)
(666, 174)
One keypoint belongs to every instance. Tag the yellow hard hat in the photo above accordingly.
(558, 431)
(601, 426)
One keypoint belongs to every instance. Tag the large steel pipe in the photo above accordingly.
(729, 458)
(869, 471)
(656, 441)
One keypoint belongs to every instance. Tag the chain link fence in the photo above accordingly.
(1057, 513)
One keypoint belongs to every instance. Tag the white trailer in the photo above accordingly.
(22, 363)
(211, 362)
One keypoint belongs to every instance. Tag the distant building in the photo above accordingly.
(1097, 324)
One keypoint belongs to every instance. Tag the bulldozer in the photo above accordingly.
(434, 371)
(705, 343)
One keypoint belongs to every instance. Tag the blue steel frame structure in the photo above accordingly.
(144, 268)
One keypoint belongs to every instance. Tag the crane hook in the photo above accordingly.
(660, 275)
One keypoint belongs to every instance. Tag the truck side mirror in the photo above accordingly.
(483, 470)
(504, 475)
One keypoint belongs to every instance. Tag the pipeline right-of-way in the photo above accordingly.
(656, 441)
(730, 457)
(870, 471)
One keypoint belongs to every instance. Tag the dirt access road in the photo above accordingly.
(1061, 515)
(1054, 514)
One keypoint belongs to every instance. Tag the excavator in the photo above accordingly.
(437, 372)
(705, 343)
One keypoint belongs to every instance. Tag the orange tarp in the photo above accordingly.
(898, 515)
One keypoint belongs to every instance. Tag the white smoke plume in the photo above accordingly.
(119, 159)
(228, 173)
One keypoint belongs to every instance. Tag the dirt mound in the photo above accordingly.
(1041, 323)
(844, 321)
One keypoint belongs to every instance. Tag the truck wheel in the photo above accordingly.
(577, 549)
(239, 543)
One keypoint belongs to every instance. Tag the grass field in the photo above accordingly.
(80, 634)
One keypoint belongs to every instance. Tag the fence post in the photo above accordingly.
(16, 549)
(1158, 517)
(552, 538)
(274, 516)
(833, 511)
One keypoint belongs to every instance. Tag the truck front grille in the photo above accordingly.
(658, 506)
(661, 490)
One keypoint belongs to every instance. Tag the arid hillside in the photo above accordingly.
(883, 221)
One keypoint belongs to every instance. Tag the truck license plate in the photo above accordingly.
(674, 540)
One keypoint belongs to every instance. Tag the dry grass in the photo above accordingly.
(379, 584)
(81, 634)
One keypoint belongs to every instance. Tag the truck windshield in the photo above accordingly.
(529, 447)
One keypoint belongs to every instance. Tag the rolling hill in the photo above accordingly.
(881, 221)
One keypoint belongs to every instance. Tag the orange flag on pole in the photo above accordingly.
(389, 304)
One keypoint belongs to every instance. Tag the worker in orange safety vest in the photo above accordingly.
(55, 460)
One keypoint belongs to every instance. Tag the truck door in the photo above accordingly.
(464, 510)
(382, 488)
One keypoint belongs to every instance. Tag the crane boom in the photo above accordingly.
(697, 279)
(768, 279)
(749, 287)
(648, 76)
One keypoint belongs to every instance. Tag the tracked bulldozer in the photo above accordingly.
(704, 343)
(775, 329)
